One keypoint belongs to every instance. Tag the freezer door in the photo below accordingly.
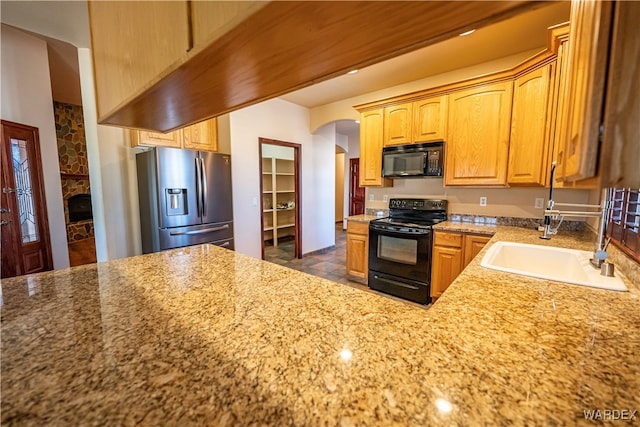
(178, 187)
(217, 234)
(217, 204)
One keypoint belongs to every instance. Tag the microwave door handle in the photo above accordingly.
(204, 186)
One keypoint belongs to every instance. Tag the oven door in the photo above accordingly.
(404, 254)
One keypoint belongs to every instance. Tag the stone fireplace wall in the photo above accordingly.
(74, 163)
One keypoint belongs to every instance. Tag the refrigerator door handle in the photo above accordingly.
(203, 231)
(203, 175)
(198, 187)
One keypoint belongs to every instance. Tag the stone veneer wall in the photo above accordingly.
(72, 156)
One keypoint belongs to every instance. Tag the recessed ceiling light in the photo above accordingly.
(352, 71)
(466, 33)
(357, 121)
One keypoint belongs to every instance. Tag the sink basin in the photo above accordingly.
(550, 263)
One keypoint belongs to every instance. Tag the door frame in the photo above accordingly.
(39, 196)
(298, 187)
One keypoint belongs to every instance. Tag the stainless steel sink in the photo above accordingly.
(550, 263)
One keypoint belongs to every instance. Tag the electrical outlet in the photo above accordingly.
(539, 203)
(385, 198)
(371, 197)
(483, 201)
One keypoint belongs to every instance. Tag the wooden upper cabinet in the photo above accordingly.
(201, 136)
(212, 19)
(430, 119)
(621, 139)
(133, 43)
(529, 144)
(371, 149)
(398, 120)
(156, 139)
(588, 55)
(478, 129)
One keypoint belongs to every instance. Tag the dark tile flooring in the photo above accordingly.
(329, 263)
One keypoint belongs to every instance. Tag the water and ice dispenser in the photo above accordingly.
(176, 201)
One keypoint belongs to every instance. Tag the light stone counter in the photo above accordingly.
(361, 218)
(207, 336)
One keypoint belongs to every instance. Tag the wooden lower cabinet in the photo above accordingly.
(452, 252)
(358, 249)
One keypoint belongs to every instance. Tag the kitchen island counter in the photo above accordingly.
(203, 335)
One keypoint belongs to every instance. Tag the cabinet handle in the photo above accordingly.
(7, 190)
(5, 222)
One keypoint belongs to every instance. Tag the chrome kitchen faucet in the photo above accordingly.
(600, 253)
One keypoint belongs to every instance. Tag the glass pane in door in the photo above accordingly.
(24, 190)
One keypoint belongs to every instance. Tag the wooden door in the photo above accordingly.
(358, 249)
(371, 149)
(156, 139)
(478, 135)
(472, 247)
(588, 53)
(430, 119)
(398, 121)
(446, 265)
(356, 192)
(529, 144)
(26, 244)
(201, 136)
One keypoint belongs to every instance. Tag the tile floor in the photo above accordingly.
(329, 263)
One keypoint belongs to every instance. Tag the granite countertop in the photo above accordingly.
(207, 336)
(361, 218)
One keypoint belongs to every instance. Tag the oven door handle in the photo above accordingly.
(396, 283)
(398, 233)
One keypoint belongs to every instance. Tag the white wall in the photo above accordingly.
(112, 174)
(284, 121)
(26, 98)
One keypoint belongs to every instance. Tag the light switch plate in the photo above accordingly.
(539, 203)
(371, 197)
(385, 198)
(483, 201)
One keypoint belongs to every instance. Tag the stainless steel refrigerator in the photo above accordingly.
(185, 198)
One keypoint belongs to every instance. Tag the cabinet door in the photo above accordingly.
(588, 50)
(621, 150)
(529, 144)
(357, 255)
(156, 139)
(397, 124)
(201, 136)
(371, 149)
(478, 135)
(212, 19)
(430, 119)
(134, 42)
(446, 265)
(472, 246)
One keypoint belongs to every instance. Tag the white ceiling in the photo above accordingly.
(68, 21)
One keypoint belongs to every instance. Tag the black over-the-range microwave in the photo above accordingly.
(413, 160)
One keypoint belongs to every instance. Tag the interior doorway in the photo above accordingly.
(26, 246)
(280, 189)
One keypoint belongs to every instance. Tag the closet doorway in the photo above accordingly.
(280, 189)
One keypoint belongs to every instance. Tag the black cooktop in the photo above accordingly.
(417, 213)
